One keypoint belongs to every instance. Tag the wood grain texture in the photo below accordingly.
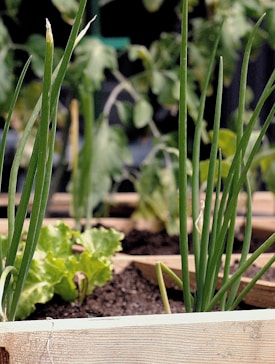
(217, 337)
(263, 207)
(263, 203)
(124, 225)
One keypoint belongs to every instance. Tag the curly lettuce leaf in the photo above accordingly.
(55, 266)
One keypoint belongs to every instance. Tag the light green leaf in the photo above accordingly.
(39, 286)
(143, 113)
(67, 8)
(152, 5)
(54, 265)
(125, 112)
(92, 57)
(101, 241)
(136, 52)
(56, 239)
(97, 270)
(35, 46)
(204, 166)
(227, 142)
(165, 85)
(66, 287)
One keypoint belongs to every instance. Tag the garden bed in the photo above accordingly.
(134, 290)
(141, 242)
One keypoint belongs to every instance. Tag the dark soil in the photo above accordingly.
(129, 293)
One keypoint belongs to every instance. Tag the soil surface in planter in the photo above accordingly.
(129, 293)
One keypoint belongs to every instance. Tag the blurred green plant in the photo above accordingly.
(158, 78)
(101, 159)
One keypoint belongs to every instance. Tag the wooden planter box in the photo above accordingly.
(263, 222)
(215, 337)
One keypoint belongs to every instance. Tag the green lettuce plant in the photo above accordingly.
(65, 262)
(34, 264)
(213, 234)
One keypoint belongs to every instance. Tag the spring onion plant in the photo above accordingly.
(213, 231)
(39, 172)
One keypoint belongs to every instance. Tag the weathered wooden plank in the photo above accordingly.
(216, 337)
(121, 224)
(262, 226)
(263, 202)
(61, 201)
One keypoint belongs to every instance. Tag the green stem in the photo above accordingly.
(209, 193)
(42, 137)
(246, 244)
(49, 99)
(183, 198)
(160, 267)
(8, 120)
(85, 175)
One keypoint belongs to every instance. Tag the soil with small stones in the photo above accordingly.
(129, 293)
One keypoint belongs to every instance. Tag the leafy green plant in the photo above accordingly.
(94, 167)
(18, 268)
(213, 235)
(67, 263)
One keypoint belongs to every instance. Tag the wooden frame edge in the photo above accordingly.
(216, 337)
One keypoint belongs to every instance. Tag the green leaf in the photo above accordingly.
(204, 165)
(66, 287)
(92, 57)
(67, 8)
(143, 113)
(108, 163)
(152, 5)
(39, 286)
(165, 84)
(35, 46)
(136, 52)
(12, 6)
(125, 112)
(158, 195)
(263, 159)
(97, 270)
(55, 266)
(101, 242)
(56, 239)
(227, 142)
